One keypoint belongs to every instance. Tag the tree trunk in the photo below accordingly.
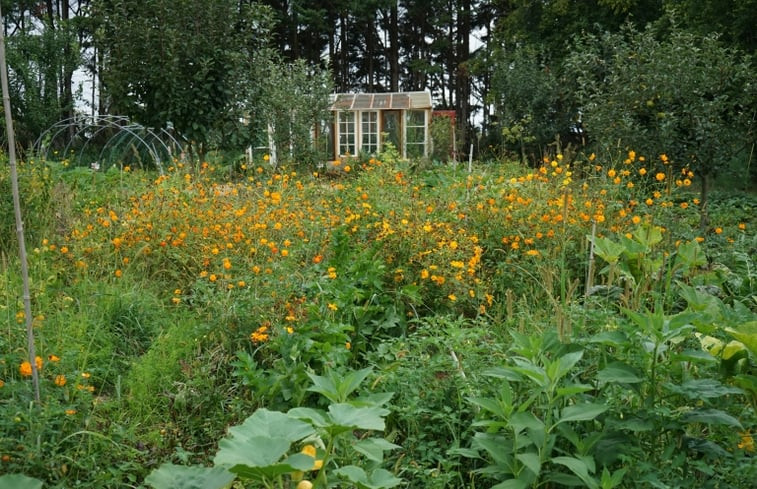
(462, 84)
(394, 49)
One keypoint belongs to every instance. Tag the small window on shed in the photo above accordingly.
(415, 133)
(347, 133)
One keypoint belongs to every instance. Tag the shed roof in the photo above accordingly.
(376, 101)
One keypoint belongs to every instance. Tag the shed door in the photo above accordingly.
(390, 128)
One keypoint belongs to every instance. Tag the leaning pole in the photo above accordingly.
(17, 210)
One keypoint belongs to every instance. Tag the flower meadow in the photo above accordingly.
(587, 322)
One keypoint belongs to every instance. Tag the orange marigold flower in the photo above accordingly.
(60, 380)
(660, 176)
(25, 369)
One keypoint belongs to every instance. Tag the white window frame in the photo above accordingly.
(344, 129)
(406, 142)
(369, 129)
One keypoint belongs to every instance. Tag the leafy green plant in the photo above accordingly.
(541, 409)
(18, 481)
(260, 449)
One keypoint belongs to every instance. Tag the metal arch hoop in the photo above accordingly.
(155, 143)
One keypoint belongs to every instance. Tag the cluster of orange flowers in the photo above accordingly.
(262, 229)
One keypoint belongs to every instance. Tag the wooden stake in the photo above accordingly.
(17, 210)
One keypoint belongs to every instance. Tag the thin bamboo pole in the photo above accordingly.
(17, 210)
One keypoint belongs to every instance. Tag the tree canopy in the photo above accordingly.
(516, 71)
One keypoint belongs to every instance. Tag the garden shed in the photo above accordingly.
(365, 122)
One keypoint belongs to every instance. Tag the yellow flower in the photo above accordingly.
(747, 442)
(25, 369)
(305, 484)
(452, 297)
(660, 176)
(332, 306)
(60, 380)
(718, 230)
(70, 412)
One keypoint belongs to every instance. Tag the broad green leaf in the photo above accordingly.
(578, 467)
(619, 372)
(374, 448)
(531, 461)
(253, 451)
(710, 344)
(573, 389)
(525, 419)
(19, 481)
(582, 412)
(635, 424)
(296, 462)
(610, 338)
(747, 382)
(747, 334)
(533, 372)
(512, 484)
(734, 349)
(568, 361)
(609, 481)
(315, 416)
(272, 424)
(378, 479)
(690, 255)
(373, 399)
(498, 448)
(608, 249)
(648, 235)
(712, 416)
(506, 373)
(169, 476)
(693, 356)
(362, 418)
(703, 389)
(494, 406)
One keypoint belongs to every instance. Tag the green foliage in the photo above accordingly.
(189, 67)
(36, 193)
(289, 101)
(18, 481)
(664, 92)
(259, 449)
(442, 138)
(531, 107)
(38, 62)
